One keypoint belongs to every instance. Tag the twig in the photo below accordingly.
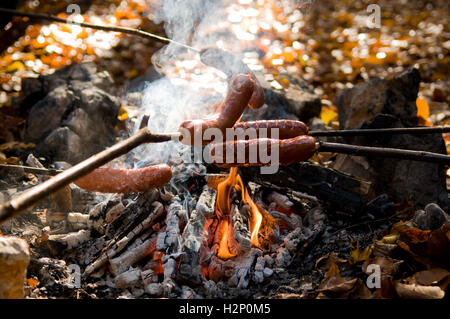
(41, 191)
(32, 170)
(97, 27)
(383, 131)
(384, 152)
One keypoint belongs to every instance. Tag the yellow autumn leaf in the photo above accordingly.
(328, 115)
(390, 239)
(123, 114)
(423, 109)
(9, 160)
(8, 146)
(358, 255)
(15, 66)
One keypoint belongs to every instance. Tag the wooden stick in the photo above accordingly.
(41, 191)
(383, 131)
(383, 152)
(33, 170)
(97, 27)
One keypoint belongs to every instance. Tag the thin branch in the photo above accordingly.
(383, 131)
(32, 170)
(97, 27)
(384, 152)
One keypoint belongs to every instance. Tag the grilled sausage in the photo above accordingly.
(112, 180)
(230, 65)
(286, 128)
(292, 150)
(238, 95)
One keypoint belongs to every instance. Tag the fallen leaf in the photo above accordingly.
(9, 146)
(388, 267)
(358, 255)
(418, 292)
(32, 282)
(423, 110)
(431, 276)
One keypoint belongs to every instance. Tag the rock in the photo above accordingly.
(296, 102)
(391, 103)
(432, 218)
(47, 114)
(395, 96)
(75, 113)
(14, 260)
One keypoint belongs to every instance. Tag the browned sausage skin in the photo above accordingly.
(231, 109)
(286, 128)
(230, 65)
(113, 180)
(292, 150)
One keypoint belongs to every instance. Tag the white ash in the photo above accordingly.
(155, 289)
(130, 257)
(242, 266)
(291, 222)
(189, 267)
(169, 269)
(129, 279)
(114, 212)
(206, 201)
(71, 240)
(281, 200)
(267, 272)
(240, 222)
(283, 258)
(188, 293)
(115, 247)
(149, 277)
(169, 240)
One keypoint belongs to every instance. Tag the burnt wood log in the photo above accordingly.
(189, 269)
(341, 191)
(240, 221)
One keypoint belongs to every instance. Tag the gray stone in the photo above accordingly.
(75, 113)
(395, 97)
(294, 103)
(432, 218)
(14, 260)
(47, 114)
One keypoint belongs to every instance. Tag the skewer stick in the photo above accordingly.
(32, 170)
(383, 131)
(97, 27)
(383, 152)
(33, 195)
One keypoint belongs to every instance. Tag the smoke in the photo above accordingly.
(183, 21)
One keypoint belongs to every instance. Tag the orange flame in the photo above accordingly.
(223, 205)
(226, 230)
(223, 192)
